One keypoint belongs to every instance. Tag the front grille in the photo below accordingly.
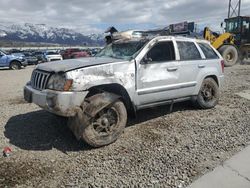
(39, 79)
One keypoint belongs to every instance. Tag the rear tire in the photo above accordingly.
(208, 96)
(230, 55)
(15, 65)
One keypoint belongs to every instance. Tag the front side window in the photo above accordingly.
(208, 51)
(188, 51)
(162, 52)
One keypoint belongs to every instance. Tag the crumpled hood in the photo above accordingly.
(70, 64)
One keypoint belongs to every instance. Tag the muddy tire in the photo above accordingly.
(230, 55)
(15, 65)
(107, 125)
(208, 96)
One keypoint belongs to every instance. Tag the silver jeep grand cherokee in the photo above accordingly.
(97, 93)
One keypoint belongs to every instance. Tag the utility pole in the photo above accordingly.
(234, 8)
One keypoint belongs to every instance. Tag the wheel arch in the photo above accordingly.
(116, 89)
(214, 77)
(15, 60)
(211, 74)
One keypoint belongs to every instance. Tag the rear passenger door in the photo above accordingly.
(212, 60)
(190, 59)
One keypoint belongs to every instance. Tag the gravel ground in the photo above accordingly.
(158, 148)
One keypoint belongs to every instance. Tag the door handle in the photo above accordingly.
(172, 69)
(201, 66)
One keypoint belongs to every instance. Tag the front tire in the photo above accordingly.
(208, 96)
(15, 65)
(106, 126)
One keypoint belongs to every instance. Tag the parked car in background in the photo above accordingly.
(80, 54)
(52, 56)
(32, 60)
(68, 52)
(39, 55)
(14, 51)
(94, 51)
(12, 61)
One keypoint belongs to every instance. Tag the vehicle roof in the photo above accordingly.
(170, 37)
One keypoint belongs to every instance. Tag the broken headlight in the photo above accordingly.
(59, 82)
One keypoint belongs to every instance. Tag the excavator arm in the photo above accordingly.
(224, 43)
(218, 40)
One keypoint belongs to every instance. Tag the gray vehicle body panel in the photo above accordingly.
(71, 64)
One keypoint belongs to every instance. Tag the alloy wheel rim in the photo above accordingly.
(208, 93)
(106, 122)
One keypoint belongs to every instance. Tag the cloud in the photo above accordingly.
(95, 15)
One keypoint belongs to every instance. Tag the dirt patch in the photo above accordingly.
(157, 149)
(18, 100)
(18, 173)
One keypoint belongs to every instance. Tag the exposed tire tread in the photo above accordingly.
(89, 137)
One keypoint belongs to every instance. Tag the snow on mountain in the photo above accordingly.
(41, 33)
(2, 34)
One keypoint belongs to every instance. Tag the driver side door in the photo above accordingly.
(158, 74)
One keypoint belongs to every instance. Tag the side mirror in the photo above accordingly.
(146, 60)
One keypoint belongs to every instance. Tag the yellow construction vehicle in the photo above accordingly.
(234, 44)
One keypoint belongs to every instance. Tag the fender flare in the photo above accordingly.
(98, 102)
(15, 60)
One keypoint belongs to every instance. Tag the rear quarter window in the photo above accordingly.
(208, 51)
(188, 51)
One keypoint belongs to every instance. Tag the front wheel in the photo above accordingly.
(208, 96)
(106, 126)
(15, 65)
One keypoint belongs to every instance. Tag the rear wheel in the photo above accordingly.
(208, 96)
(229, 54)
(15, 65)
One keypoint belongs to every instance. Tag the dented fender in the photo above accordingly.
(98, 102)
(90, 107)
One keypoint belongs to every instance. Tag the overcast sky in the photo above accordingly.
(96, 15)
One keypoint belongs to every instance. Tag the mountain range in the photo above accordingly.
(42, 33)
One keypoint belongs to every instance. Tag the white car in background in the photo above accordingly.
(52, 56)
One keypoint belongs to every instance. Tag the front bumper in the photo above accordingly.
(58, 102)
(54, 59)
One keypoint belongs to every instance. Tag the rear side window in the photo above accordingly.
(208, 51)
(161, 52)
(188, 51)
